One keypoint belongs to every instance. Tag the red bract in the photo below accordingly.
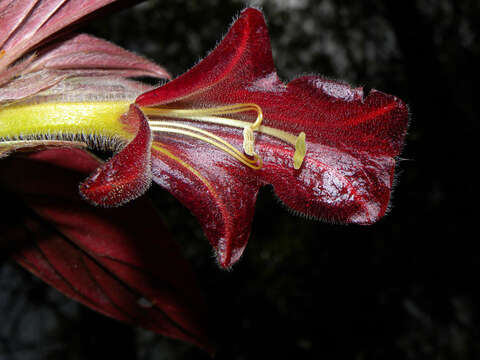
(351, 140)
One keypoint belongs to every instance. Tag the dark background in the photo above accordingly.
(405, 288)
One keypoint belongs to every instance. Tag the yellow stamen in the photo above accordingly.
(248, 141)
(193, 114)
(207, 116)
(208, 137)
(2, 53)
(156, 146)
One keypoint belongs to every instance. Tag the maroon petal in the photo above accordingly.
(337, 115)
(331, 185)
(219, 191)
(351, 137)
(128, 174)
(119, 262)
(242, 59)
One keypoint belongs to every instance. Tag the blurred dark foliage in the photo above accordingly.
(405, 288)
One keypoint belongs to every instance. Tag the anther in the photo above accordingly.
(300, 151)
(248, 141)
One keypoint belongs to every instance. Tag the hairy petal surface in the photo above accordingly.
(219, 192)
(351, 138)
(120, 262)
(242, 59)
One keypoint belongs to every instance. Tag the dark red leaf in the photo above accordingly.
(120, 262)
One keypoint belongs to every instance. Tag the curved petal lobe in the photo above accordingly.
(128, 174)
(219, 192)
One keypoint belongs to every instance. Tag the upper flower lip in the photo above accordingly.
(242, 58)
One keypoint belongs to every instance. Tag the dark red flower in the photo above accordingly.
(229, 125)
(212, 137)
(328, 149)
